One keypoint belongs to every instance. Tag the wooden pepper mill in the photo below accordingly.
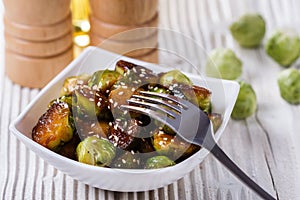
(122, 26)
(38, 40)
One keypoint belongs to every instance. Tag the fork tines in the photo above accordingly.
(147, 102)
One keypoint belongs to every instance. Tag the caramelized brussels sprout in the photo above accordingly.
(158, 162)
(123, 134)
(104, 80)
(172, 146)
(70, 84)
(128, 160)
(216, 120)
(91, 102)
(69, 149)
(66, 99)
(122, 66)
(199, 96)
(89, 127)
(95, 151)
(54, 128)
(174, 77)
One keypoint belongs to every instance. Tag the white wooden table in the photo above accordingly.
(266, 145)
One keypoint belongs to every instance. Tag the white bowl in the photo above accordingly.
(224, 94)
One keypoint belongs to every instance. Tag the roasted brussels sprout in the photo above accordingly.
(72, 82)
(216, 120)
(128, 160)
(199, 96)
(223, 63)
(95, 151)
(54, 128)
(245, 104)
(69, 148)
(174, 77)
(91, 102)
(283, 47)
(122, 66)
(289, 85)
(104, 80)
(159, 162)
(123, 134)
(249, 30)
(172, 146)
(66, 99)
(89, 127)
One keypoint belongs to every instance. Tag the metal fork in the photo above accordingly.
(192, 124)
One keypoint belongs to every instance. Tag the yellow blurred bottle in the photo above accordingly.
(80, 18)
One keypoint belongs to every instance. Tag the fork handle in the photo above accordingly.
(225, 160)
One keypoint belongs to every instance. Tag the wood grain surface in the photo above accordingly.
(266, 145)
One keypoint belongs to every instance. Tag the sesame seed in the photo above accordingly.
(109, 123)
(91, 99)
(123, 161)
(121, 93)
(92, 125)
(122, 83)
(115, 104)
(132, 89)
(98, 103)
(142, 75)
(124, 86)
(134, 70)
(107, 91)
(118, 119)
(94, 141)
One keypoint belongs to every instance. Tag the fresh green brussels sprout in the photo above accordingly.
(95, 151)
(127, 160)
(223, 63)
(91, 102)
(104, 80)
(70, 84)
(289, 85)
(174, 77)
(158, 162)
(172, 146)
(283, 47)
(54, 127)
(245, 104)
(249, 30)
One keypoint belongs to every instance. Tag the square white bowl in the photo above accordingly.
(224, 94)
